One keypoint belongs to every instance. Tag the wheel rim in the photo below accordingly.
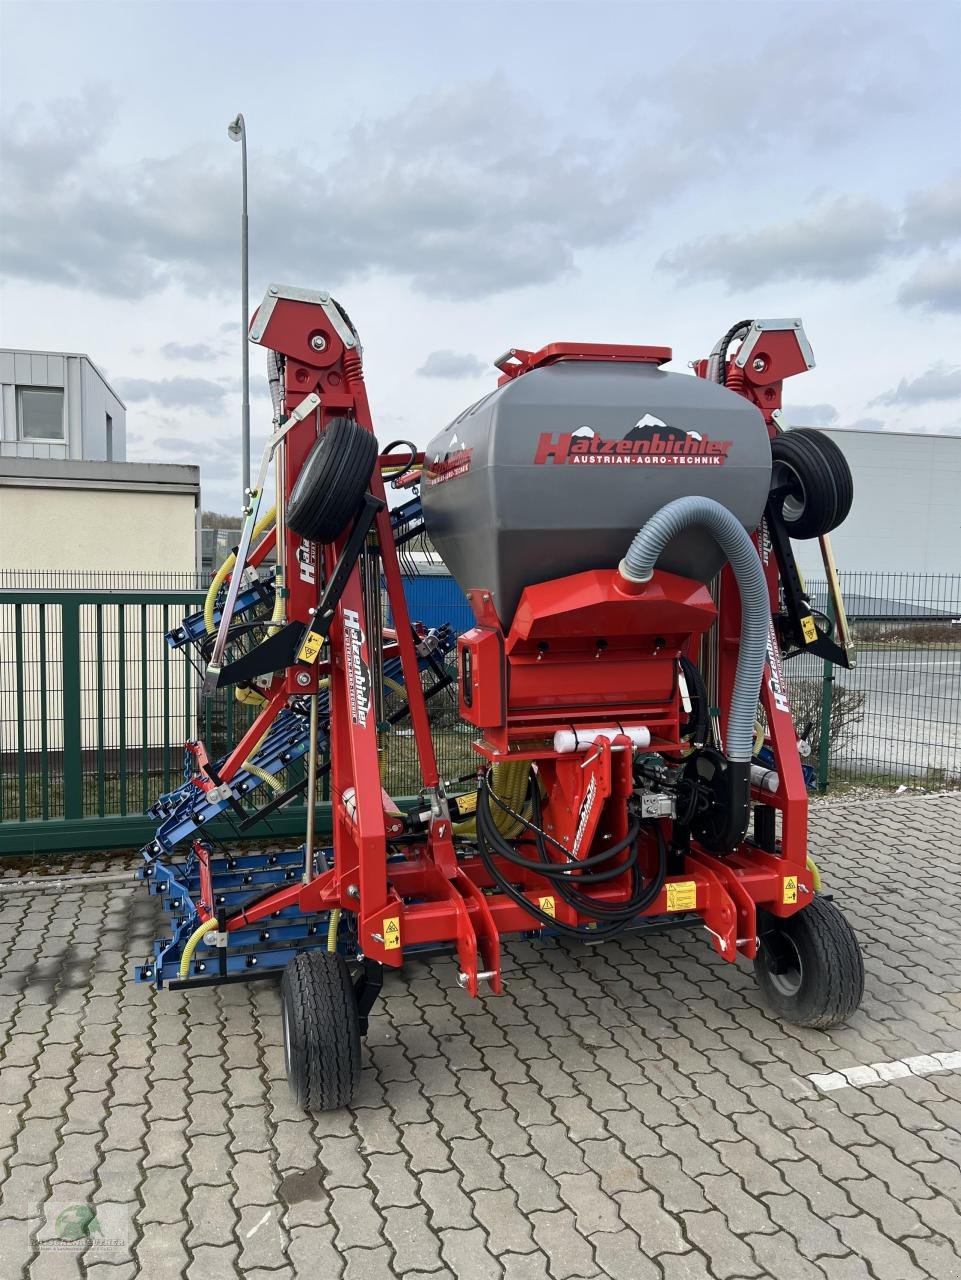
(794, 503)
(787, 970)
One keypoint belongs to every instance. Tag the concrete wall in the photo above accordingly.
(88, 520)
(112, 517)
(88, 398)
(906, 516)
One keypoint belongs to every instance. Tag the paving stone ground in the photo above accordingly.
(629, 1111)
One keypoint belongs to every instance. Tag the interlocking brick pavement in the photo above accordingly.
(629, 1111)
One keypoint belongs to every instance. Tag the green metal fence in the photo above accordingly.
(95, 708)
(896, 716)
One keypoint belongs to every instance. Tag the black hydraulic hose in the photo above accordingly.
(697, 728)
(571, 864)
(611, 919)
(641, 896)
(717, 364)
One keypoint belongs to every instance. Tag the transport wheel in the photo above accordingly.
(321, 1030)
(809, 967)
(818, 479)
(840, 470)
(332, 481)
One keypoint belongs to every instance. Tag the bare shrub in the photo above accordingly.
(847, 712)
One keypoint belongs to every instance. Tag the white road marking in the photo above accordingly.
(925, 1064)
(257, 1225)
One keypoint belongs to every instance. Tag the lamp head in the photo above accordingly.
(235, 130)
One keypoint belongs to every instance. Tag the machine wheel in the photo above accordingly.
(809, 966)
(332, 481)
(840, 470)
(321, 1030)
(818, 479)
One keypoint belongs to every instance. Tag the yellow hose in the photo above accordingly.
(188, 952)
(815, 874)
(273, 782)
(509, 782)
(332, 925)
(220, 576)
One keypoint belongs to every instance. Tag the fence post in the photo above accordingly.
(72, 709)
(827, 698)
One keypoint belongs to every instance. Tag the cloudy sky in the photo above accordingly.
(472, 176)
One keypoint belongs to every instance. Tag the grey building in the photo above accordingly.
(58, 405)
(906, 517)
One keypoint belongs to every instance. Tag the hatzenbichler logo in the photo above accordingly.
(649, 443)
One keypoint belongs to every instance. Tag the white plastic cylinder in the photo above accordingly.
(764, 779)
(567, 740)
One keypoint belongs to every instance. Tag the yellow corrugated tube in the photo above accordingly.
(262, 525)
(208, 926)
(509, 780)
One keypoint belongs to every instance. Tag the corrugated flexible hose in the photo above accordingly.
(728, 532)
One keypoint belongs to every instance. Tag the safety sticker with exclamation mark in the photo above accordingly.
(391, 933)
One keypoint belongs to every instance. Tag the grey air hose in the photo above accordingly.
(728, 532)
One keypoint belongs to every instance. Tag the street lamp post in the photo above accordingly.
(237, 132)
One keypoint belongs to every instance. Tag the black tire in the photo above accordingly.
(321, 1030)
(809, 967)
(818, 481)
(332, 481)
(840, 470)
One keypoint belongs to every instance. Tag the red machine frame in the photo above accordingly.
(425, 893)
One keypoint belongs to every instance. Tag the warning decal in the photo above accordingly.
(547, 906)
(682, 896)
(790, 889)
(808, 629)
(391, 933)
(313, 643)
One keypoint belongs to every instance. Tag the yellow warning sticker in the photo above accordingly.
(682, 895)
(467, 804)
(391, 933)
(808, 629)
(547, 906)
(790, 889)
(313, 643)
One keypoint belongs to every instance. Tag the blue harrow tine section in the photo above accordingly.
(193, 629)
(262, 948)
(236, 878)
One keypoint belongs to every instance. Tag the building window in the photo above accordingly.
(109, 438)
(40, 413)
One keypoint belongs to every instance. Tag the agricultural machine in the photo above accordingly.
(623, 535)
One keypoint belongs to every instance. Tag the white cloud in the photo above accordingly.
(811, 415)
(453, 364)
(175, 393)
(839, 240)
(939, 383)
(199, 351)
(935, 285)
(933, 216)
